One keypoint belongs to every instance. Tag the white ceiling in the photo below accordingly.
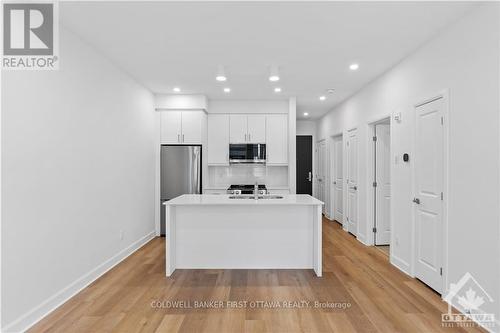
(163, 44)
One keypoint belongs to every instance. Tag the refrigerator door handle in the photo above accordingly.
(196, 171)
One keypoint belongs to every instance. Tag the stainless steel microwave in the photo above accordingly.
(247, 153)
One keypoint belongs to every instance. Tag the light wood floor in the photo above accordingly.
(382, 299)
(384, 249)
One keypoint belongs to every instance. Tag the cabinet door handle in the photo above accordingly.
(182, 137)
(249, 137)
(178, 138)
(245, 138)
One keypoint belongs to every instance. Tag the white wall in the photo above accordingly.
(464, 59)
(78, 167)
(248, 106)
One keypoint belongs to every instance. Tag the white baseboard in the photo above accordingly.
(400, 264)
(362, 239)
(36, 314)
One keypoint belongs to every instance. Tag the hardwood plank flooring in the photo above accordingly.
(370, 296)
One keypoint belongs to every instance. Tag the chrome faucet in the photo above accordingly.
(256, 191)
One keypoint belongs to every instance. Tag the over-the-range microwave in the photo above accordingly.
(249, 153)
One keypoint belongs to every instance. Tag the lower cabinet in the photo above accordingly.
(279, 191)
(214, 191)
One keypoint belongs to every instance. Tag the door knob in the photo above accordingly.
(355, 188)
(334, 183)
(417, 201)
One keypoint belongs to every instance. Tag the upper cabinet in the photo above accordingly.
(247, 128)
(181, 127)
(257, 128)
(171, 126)
(192, 126)
(218, 139)
(238, 129)
(277, 139)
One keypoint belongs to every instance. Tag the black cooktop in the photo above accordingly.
(243, 187)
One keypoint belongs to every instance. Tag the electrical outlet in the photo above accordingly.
(121, 234)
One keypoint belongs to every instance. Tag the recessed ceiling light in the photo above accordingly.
(227, 90)
(221, 74)
(331, 91)
(177, 89)
(306, 114)
(277, 89)
(353, 67)
(274, 74)
(322, 98)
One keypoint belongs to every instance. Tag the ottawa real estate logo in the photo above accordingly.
(467, 300)
(30, 35)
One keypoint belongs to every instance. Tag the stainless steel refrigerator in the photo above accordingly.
(180, 173)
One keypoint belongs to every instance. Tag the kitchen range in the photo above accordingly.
(247, 189)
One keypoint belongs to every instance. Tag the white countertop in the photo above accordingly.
(222, 199)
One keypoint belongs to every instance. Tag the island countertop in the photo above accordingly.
(223, 199)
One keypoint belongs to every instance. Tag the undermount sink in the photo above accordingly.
(252, 197)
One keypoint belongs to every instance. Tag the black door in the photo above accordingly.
(304, 164)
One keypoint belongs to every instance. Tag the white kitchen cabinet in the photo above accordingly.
(278, 191)
(218, 139)
(191, 127)
(181, 127)
(256, 129)
(215, 191)
(171, 126)
(277, 139)
(238, 128)
(247, 128)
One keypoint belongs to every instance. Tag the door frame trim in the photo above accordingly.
(370, 168)
(316, 165)
(345, 188)
(445, 95)
(331, 176)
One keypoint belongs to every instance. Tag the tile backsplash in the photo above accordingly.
(271, 176)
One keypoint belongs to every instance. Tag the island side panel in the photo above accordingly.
(170, 239)
(318, 240)
(244, 237)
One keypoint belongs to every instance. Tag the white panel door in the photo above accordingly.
(352, 182)
(171, 127)
(256, 129)
(238, 129)
(337, 178)
(218, 139)
(191, 127)
(428, 204)
(383, 180)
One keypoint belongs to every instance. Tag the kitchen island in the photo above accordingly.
(206, 231)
